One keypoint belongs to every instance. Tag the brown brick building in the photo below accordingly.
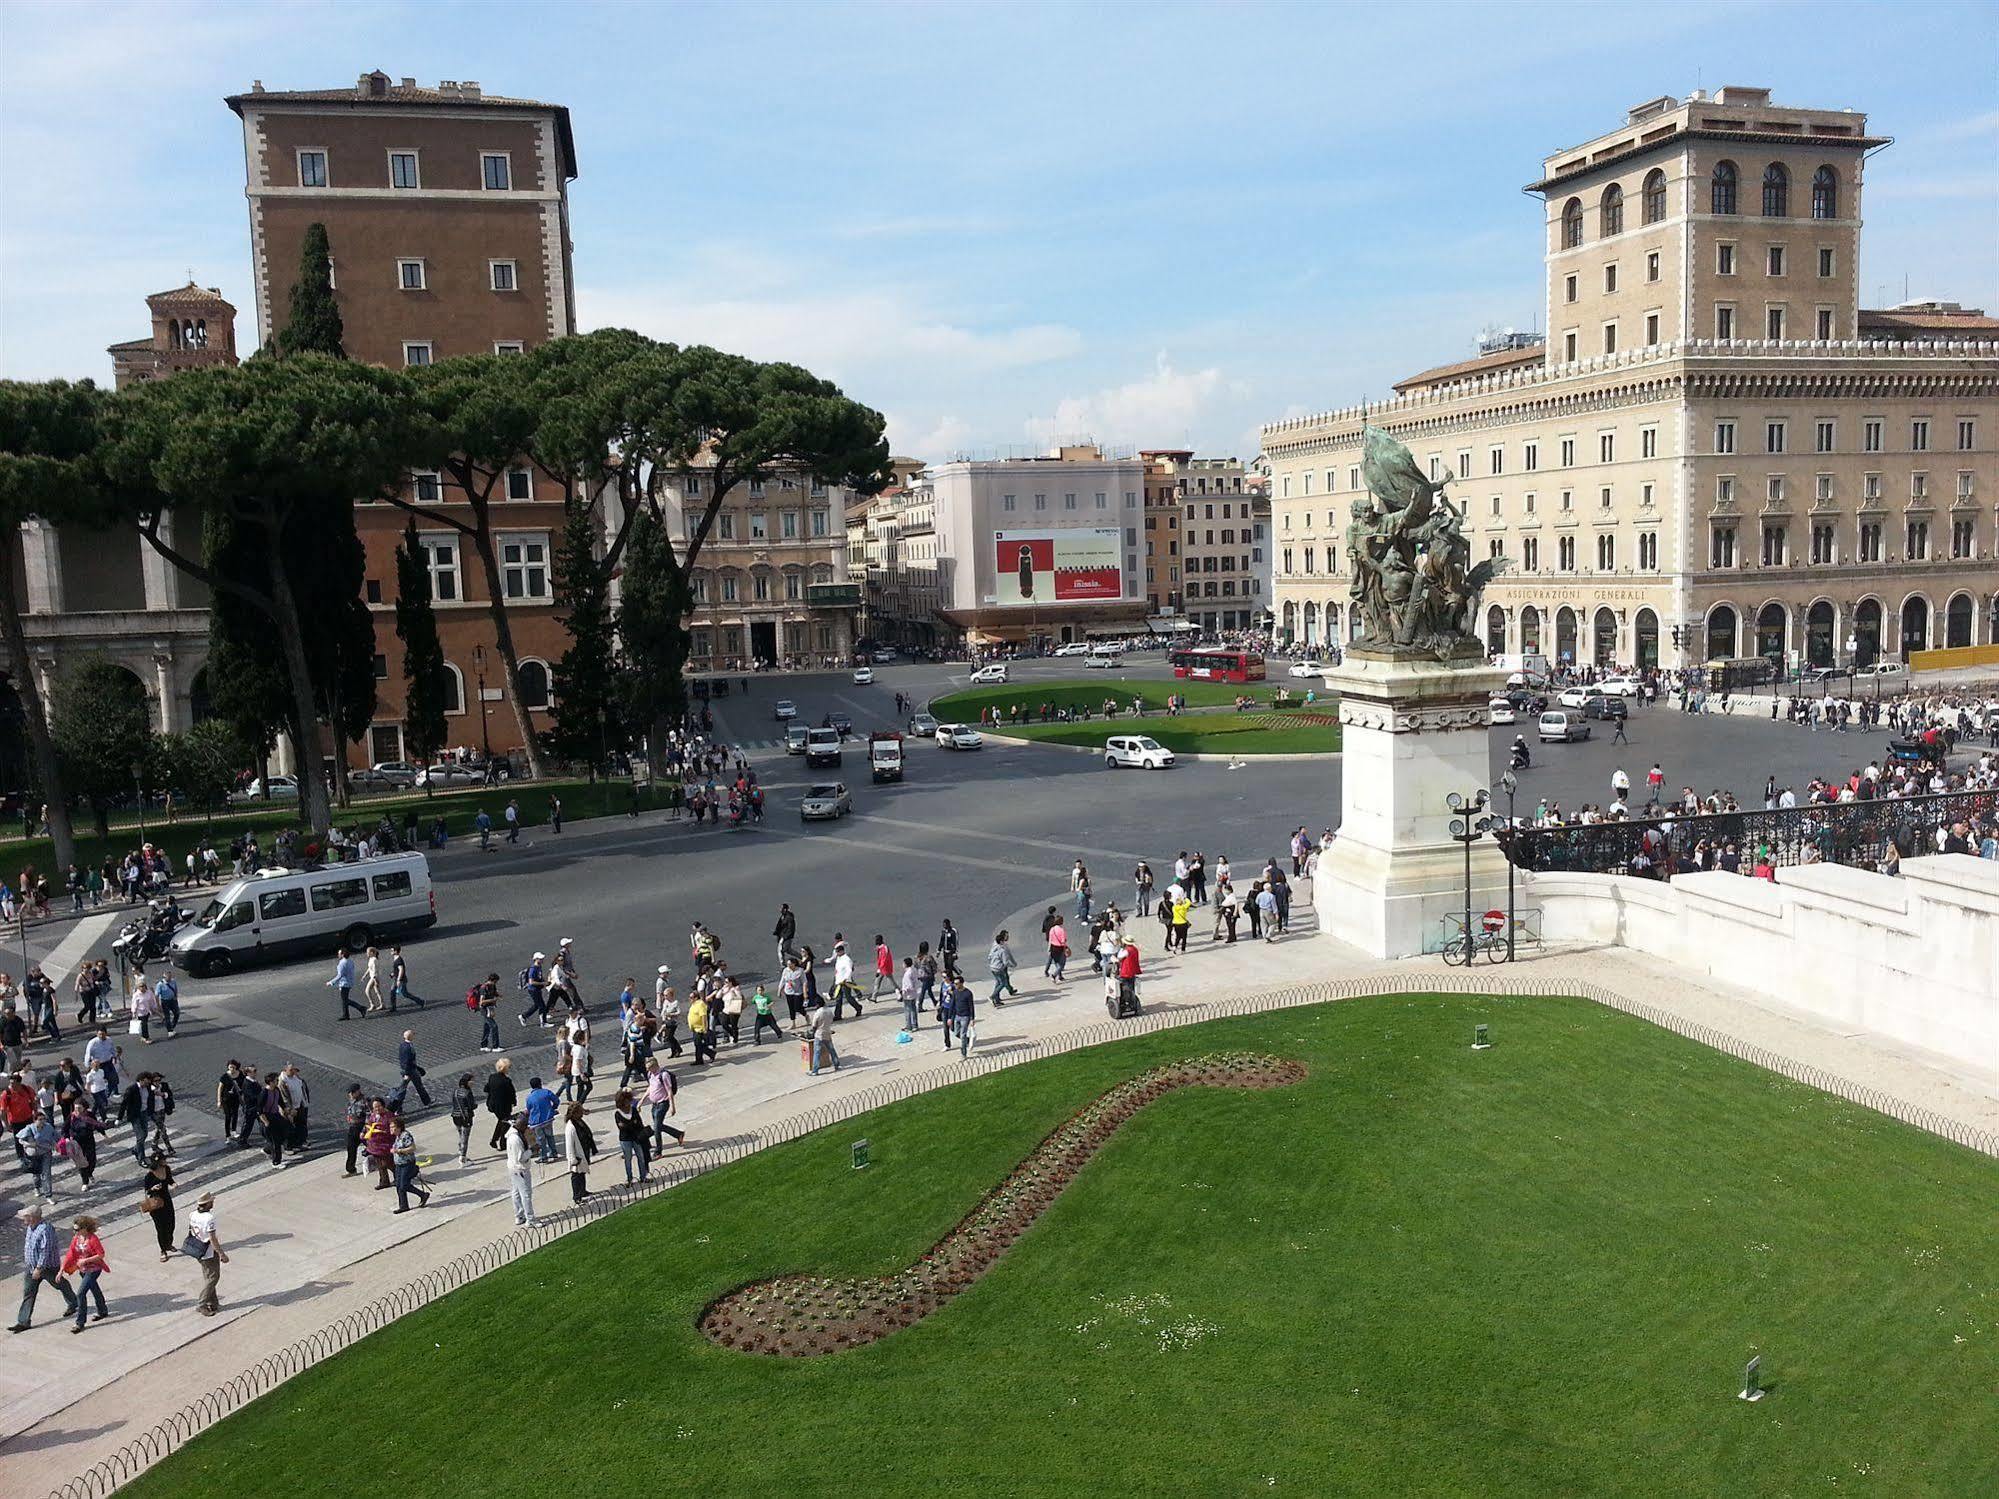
(447, 214)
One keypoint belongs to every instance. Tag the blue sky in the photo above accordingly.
(1148, 224)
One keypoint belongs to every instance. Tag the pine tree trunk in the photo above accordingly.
(311, 776)
(39, 741)
(503, 641)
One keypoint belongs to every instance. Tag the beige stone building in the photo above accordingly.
(772, 582)
(1718, 453)
(1222, 543)
(901, 551)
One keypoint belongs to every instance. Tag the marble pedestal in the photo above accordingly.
(1412, 732)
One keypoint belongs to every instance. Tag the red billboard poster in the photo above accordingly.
(1076, 565)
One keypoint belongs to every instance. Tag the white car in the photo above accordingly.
(922, 725)
(395, 772)
(1621, 687)
(958, 736)
(1308, 668)
(283, 789)
(1573, 697)
(864, 676)
(1137, 752)
(1501, 711)
(993, 673)
(450, 773)
(1562, 727)
(1099, 663)
(1883, 669)
(1073, 648)
(785, 709)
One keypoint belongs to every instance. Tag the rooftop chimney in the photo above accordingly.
(469, 88)
(256, 85)
(409, 83)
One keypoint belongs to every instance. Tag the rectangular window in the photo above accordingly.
(819, 523)
(1652, 266)
(1774, 489)
(1609, 278)
(1496, 460)
(1724, 490)
(1870, 488)
(1464, 465)
(1722, 552)
(496, 169)
(409, 275)
(1964, 481)
(1773, 323)
(1651, 329)
(427, 486)
(759, 526)
(1724, 437)
(1773, 437)
(730, 583)
(760, 588)
(1530, 459)
(1724, 323)
(788, 525)
(1648, 442)
(1724, 259)
(794, 585)
(1353, 474)
(1822, 436)
(373, 589)
(441, 557)
(1960, 538)
(1776, 260)
(381, 667)
(1041, 502)
(1918, 537)
(1919, 487)
(524, 566)
(1645, 496)
(1610, 338)
(1603, 498)
(1919, 437)
(1006, 502)
(1606, 447)
(1568, 452)
(1569, 347)
(1825, 262)
(1967, 434)
(403, 171)
(725, 525)
(1103, 502)
(1530, 554)
(1870, 542)
(1822, 487)
(1822, 551)
(1068, 502)
(312, 169)
(276, 904)
(520, 484)
(1569, 289)
(504, 275)
(1825, 325)
(510, 346)
(415, 354)
(1568, 500)
(1773, 546)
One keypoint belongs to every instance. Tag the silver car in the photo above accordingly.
(827, 800)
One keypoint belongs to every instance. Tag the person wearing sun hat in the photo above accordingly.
(201, 1232)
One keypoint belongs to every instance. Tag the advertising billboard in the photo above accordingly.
(1076, 565)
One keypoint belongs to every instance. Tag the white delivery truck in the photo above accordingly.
(885, 755)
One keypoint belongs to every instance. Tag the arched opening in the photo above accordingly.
(1604, 653)
(1655, 196)
(1565, 635)
(15, 768)
(200, 703)
(1825, 193)
(1867, 633)
(1645, 639)
(1290, 620)
(1311, 624)
(1915, 625)
(1819, 634)
(1530, 630)
(1495, 630)
(1721, 188)
(1355, 624)
(454, 689)
(1610, 211)
(534, 684)
(1959, 621)
(1776, 191)
(1332, 624)
(1771, 628)
(1572, 224)
(1720, 633)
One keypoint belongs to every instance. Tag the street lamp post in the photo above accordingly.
(1468, 829)
(1509, 783)
(485, 739)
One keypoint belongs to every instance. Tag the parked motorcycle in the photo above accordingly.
(141, 943)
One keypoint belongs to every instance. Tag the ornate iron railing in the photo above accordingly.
(1851, 833)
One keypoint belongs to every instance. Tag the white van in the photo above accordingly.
(1137, 751)
(280, 913)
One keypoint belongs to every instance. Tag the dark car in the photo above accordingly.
(1602, 705)
(843, 722)
(1527, 704)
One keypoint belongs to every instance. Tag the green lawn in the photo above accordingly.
(1090, 692)
(458, 807)
(1530, 1271)
(1211, 734)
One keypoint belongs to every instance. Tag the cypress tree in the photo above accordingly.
(587, 723)
(314, 326)
(426, 684)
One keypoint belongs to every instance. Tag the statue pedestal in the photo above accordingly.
(1412, 732)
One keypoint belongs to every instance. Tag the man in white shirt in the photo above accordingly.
(520, 1170)
(201, 1229)
(845, 990)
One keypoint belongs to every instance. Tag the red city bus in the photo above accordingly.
(1218, 664)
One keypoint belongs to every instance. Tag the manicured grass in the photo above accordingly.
(1207, 733)
(1091, 692)
(1528, 1271)
(458, 807)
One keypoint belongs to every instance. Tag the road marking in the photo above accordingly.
(330, 1054)
(963, 832)
(78, 942)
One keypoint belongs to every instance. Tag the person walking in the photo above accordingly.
(464, 1114)
(484, 823)
(371, 982)
(663, 1098)
(1619, 736)
(912, 996)
(845, 990)
(40, 1263)
(760, 1002)
(211, 1255)
(534, 981)
(378, 1140)
(500, 1102)
(402, 1154)
(633, 1143)
(1141, 883)
(343, 982)
(412, 1071)
(37, 1142)
(399, 981)
(701, 1027)
(229, 1096)
(962, 1015)
(486, 998)
(784, 931)
(884, 970)
(1000, 963)
(1183, 911)
(520, 1167)
(355, 1117)
(576, 1152)
(85, 1260)
(1058, 952)
(822, 1038)
(1266, 905)
(513, 815)
(555, 814)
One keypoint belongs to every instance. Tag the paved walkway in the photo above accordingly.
(308, 1246)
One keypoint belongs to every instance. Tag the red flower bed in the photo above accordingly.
(801, 1315)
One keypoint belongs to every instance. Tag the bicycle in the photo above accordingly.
(1464, 948)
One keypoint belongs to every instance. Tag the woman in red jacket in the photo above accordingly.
(85, 1259)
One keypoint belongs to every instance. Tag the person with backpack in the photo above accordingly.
(533, 983)
(484, 999)
(663, 1096)
(464, 1114)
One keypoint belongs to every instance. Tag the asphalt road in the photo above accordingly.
(977, 836)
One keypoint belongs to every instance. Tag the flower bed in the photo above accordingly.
(801, 1315)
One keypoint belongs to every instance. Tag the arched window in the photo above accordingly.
(1721, 188)
(1566, 627)
(1776, 191)
(454, 692)
(1867, 632)
(1772, 628)
(1915, 624)
(1825, 193)
(1530, 629)
(1572, 224)
(1655, 196)
(1645, 639)
(1311, 624)
(1606, 638)
(534, 684)
(1721, 633)
(1290, 620)
(1495, 630)
(1819, 642)
(1610, 213)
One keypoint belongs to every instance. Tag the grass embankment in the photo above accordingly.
(1090, 693)
(1265, 730)
(1198, 734)
(1528, 1271)
(458, 807)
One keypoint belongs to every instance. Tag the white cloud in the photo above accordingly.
(948, 436)
(1165, 407)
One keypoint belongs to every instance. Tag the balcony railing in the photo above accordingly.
(833, 595)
